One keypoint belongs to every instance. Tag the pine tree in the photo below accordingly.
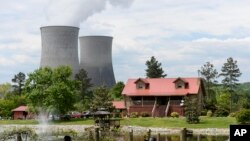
(209, 73)
(101, 99)
(230, 73)
(19, 80)
(85, 83)
(154, 69)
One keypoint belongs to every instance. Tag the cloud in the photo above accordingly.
(182, 35)
(73, 12)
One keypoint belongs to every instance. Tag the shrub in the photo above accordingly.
(209, 113)
(191, 112)
(232, 115)
(174, 115)
(134, 115)
(204, 112)
(192, 118)
(145, 114)
(221, 113)
(243, 116)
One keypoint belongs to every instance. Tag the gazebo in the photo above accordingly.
(103, 120)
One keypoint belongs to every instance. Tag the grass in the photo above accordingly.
(57, 122)
(205, 122)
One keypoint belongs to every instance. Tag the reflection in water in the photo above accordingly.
(191, 138)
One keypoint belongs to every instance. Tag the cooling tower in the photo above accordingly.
(60, 47)
(96, 59)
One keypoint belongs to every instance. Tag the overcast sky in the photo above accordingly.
(182, 34)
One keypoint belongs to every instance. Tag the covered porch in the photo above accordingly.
(156, 106)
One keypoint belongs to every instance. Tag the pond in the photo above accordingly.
(82, 133)
(190, 138)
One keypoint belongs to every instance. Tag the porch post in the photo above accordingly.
(153, 110)
(142, 101)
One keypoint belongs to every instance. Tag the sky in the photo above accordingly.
(182, 34)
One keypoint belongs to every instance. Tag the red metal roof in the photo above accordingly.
(20, 109)
(162, 87)
(119, 104)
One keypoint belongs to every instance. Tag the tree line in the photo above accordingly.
(54, 91)
(221, 98)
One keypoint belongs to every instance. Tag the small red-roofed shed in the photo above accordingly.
(120, 107)
(20, 112)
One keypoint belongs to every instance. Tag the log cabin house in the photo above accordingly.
(161, 96)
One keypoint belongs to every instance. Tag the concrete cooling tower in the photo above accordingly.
(60, 47)
(96, 59)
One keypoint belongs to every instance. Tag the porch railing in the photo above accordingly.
(167, 108)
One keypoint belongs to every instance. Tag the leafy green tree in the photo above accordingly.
(9, 103)
(18, 80)
(191, 110)
(116, 91)
(154, 69)
(51, 89)
(209, 73)
(85, 83)
(223, 104)
(4, 89)
(101, 98)
(243, 116)
(230, 73)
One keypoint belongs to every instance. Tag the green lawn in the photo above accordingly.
(205, 122)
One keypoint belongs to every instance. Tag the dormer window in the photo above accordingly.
(141, 84)
(181, 84)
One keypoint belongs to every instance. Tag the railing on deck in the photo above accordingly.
(175, 102)
(167, 108)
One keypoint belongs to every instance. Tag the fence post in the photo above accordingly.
(183, 134)
(131, 135)
(19, 137)
(158, 137)
(97, 136)
(199, 137)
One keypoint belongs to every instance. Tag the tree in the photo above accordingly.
(101, 98)
(85, 83)
(230, 73)
(209, 73)
(51, 89)
(4, 89)
(19, 80)
(116, 90)
(223, 105)
(191, 112)
(9, 103)
(154, 69)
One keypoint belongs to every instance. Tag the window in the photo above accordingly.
(179, 85)
(140, 85)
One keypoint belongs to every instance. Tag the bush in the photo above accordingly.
(232, 115)
(221, 113)
(209, 113)
(191, 112)
(243, 116)
(192, 118)
(174, 115)
(134, 114)
(204, 112)
(145, 114)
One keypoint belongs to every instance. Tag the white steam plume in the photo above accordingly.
(73, 12)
